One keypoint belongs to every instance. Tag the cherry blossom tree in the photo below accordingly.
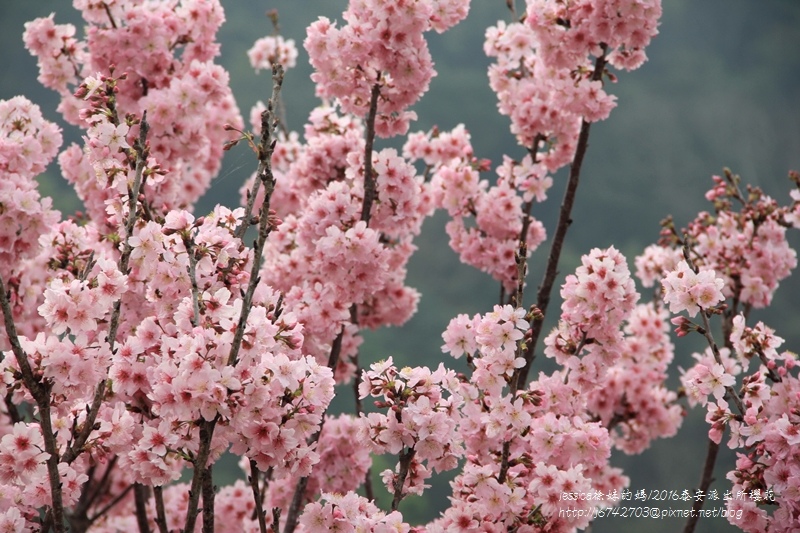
(141, 341)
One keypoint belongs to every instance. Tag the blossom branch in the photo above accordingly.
(706, 331)
(300, 489)
(265, 177)
(405, 462)
(564, 221)
(41, 395)
(142, 151)
(265, 145)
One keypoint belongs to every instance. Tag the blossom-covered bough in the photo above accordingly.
(141, 342)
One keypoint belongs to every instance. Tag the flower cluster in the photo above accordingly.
(545, 429)
(28, 143)
(343, 464)
(272, 50)
(420, 425)
(487, 222)
(544, 78)
(634, 403)
(767, 431)
(568, 32)
(597, 299)
(382, 45)
(165, 52)
(747, 249)
(690, 291)
(328, 255)
(349, 513)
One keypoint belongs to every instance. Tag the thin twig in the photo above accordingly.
(92, 491)
(257, 495)
(717, 357)
(265, 177)
(111, 504)
(192, 268)
(705, 481)
(264, 162)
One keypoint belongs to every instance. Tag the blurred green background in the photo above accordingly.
(721, 88)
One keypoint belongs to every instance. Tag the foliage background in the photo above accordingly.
(721, 88)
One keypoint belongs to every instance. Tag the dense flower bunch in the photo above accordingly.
(545, 78)
(597, 299)
(634, 402)
(27, 145)
(747, 248)
(487, 221)
(167, 51)
(140, 340)
(420, 426)
(324, 257)
(567, 32)
(272, 50)
(350, 513)
(546, 428)
(382, 48)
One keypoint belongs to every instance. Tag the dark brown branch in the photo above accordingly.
(257, 496)
(294, 507)
(161, 515)
(276, 520)
(41, 395)
(705, 482)
(199, 463)
(265, 177)
(405, 462)
(140, 499)
(208, 500)
(369, 179)
(12, 410)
